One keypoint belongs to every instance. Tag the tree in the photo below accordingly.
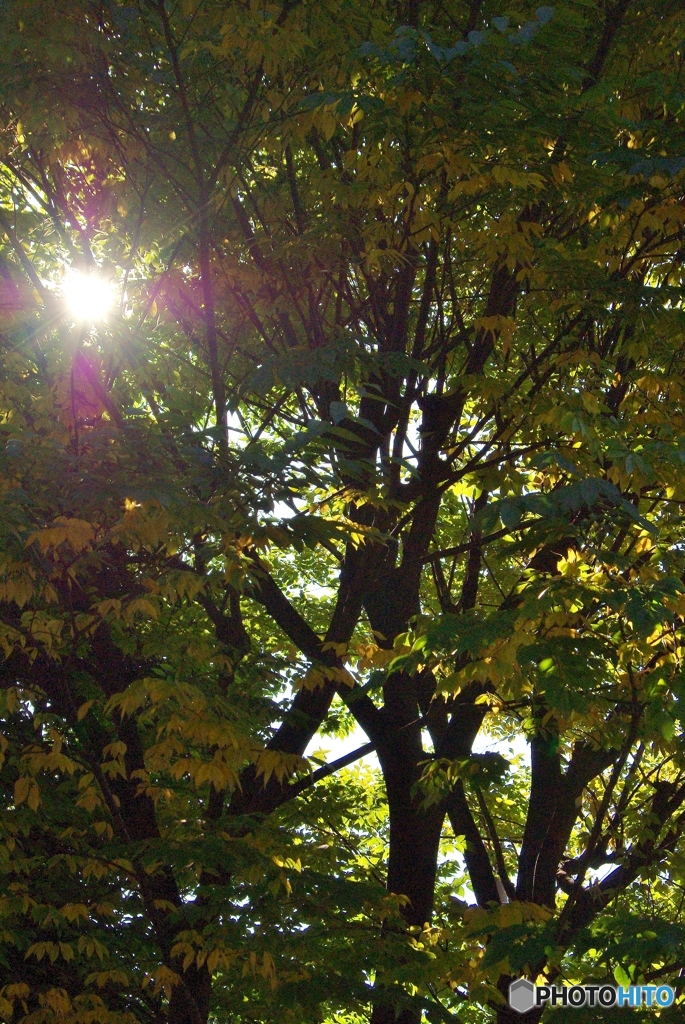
(385, 427)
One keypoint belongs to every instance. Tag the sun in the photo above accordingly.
(88, 296)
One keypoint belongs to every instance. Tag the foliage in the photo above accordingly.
(383, 430)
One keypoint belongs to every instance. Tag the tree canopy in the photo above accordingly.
(342, 366)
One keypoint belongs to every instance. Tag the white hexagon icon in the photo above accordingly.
(522, 995)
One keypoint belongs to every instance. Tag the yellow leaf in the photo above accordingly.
(498, 326)
(142, 606)
(17, 991)
(645, 543)
(89, 799)
(72, 911)
(562, 172)
(102, 978)
(116, 749)
(103, 608)
(91, 947)
(83, 710)
(34, 796)
(78, 533)
(165, 979)
(21, 789)
(57, 1000)
(17, 584)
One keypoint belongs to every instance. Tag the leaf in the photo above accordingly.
(74, 911)
(622, 977)
(510, 513)
(528, 31)
(26, 790)
(21, 789)
(452, 358)
(339, 411)
(544, 14)
(104, 978)
(78, 533)
(83, 710)
(141, 606)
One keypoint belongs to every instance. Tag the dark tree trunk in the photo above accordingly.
(414, 842)
(414, 830)
(189, 1002)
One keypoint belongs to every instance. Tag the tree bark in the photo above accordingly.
(414, 844)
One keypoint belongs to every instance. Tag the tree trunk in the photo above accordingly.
(414, 837)
(189, 1002)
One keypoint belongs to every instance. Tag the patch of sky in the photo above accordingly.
(331, 748)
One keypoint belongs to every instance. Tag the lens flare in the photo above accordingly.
(88, 297)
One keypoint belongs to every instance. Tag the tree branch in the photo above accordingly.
(476, 855)
(509, 887)
(328, 769)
